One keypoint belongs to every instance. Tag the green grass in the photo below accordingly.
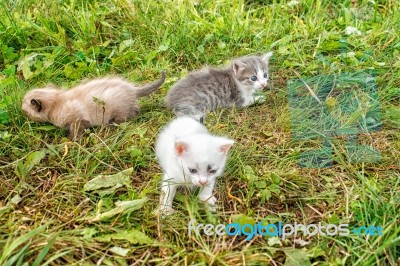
(45, 213)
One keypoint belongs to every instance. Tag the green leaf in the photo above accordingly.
(265, 195)
(275, 179)
(44, 251)
(16, 199)
(55, 256)
(10, 247)
(261, 184)
(140, 131)
(46, 128)
(249, 173)
(5, 136)
(8, 53)
(107, 184)
(274, 241)
(151, 55)
(70, 72)
(243, 219)
(25, 64)
(165, 45)
(221, 45)
(123, 207)
(281, 42)
(329, 46)
(88, 232)
(274, 188)
(3, 117)
(162, 48)
(296, 257)
(125, 44)
(26, 71)
(80, 55)
(135, 153)
(24, 167)
(133, 236)
(10, 70)
(200, 48)
(19, 257)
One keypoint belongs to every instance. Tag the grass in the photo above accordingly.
(46, 215)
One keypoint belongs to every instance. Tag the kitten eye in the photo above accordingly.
(212, 171)
(192, 170)
(253, 78)
(265, 75)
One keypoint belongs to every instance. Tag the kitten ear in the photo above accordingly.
(238, 66)
(181, 147)
(37, 105)
(266, 57)
(226, 146)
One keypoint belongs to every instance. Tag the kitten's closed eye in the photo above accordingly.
(213, 171)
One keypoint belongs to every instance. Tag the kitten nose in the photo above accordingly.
(263, 84)
(203, 182)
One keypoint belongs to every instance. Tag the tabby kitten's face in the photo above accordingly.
(252, 71)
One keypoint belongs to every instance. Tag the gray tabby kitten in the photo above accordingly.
(211, 88)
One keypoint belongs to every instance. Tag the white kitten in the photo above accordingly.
(190, 156)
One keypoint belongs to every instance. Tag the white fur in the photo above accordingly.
(249, 93)
(202, 150)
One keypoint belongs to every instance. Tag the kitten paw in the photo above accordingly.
(259, 99)
(210, 200)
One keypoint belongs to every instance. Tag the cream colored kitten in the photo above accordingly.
(97, 102)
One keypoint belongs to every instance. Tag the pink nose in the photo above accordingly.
(203, 182)
(263, 84)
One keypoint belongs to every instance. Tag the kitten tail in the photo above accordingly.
(146, 90)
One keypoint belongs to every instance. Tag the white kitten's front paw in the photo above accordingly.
(211, 200)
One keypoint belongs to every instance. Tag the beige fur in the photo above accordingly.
(97, 102)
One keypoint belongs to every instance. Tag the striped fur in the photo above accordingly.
(211, 88)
